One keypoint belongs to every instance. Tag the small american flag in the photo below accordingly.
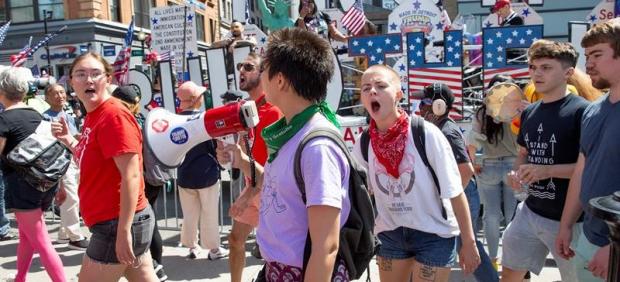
(23, 55)
(354, 19)
(448, 72)
(168, 56)
(495, 42)
(3, 30)
(121, 64)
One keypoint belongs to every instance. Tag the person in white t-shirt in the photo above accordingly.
(416, 238)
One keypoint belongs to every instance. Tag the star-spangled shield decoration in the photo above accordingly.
(449, 71)
(375, 47)
(496, 40)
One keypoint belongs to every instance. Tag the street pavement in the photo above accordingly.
(178, 268)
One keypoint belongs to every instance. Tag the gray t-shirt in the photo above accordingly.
(600, 132)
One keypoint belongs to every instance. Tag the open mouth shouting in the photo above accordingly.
(375, 106)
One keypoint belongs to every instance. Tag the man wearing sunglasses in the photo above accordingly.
(249, 81)
(236, 39)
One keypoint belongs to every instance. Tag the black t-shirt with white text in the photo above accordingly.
(550, 133)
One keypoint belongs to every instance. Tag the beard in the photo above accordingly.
(250, 84)
(601, 83)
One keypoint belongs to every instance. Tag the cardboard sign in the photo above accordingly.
(167, 25)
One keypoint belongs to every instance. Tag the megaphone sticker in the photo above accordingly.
(179, 136)
(159, 125)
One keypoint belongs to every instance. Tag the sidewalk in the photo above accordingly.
(178, 268)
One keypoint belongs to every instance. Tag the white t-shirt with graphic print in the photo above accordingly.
(412, 200)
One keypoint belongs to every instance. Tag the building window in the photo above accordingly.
(200, 27)
(114, 10)
(212, 30)
(142, 9)
(21, 10)
(55, 6)
(2, 11)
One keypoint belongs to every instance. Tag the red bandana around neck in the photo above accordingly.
(389, 147)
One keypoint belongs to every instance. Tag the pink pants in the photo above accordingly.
(33, 237)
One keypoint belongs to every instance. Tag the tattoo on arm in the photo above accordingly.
(385, 264)
(427, 273)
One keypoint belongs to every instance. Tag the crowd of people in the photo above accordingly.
(535, 174)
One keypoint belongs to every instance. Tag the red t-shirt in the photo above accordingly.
(109, 131)
(267, 114)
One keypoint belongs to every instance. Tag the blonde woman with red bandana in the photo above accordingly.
(417, 239)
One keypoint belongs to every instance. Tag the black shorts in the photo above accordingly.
(102, 246)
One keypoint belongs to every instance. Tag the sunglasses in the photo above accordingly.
(245, 66)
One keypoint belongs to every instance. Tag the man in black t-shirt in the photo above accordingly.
(440, 117)
(549, 146)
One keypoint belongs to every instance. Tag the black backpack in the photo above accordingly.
(357, 244)
(417, 133)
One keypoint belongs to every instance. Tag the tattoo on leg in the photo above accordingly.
(385, 264)
(427, 273)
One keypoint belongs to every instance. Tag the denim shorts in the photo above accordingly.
(102, 246)
(426, 248)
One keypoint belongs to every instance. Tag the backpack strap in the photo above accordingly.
(321, 132)
(417, 133)
(317, 133)
(365, 143)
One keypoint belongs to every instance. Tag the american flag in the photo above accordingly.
(23, 55)
(3, 30)
(496, 40)
(375, 47)
(121, 64)
(449, 72)
(354, 19)
(168, 56)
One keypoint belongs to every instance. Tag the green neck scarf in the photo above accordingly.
(277, 134)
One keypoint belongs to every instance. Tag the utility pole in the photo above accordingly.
(47, 48)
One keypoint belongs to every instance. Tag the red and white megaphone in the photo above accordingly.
(171, 136)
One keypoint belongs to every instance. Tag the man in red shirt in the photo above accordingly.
(249, 80)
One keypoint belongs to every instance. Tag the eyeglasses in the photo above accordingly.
(83, 76)
(246, 66)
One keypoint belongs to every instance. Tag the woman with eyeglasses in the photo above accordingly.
(17, 122)
(111, 192)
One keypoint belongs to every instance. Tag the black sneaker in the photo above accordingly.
(80, 245)
(256, 252)
(8, 236)
(193, 253)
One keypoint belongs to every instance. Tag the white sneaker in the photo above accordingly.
(218, 254)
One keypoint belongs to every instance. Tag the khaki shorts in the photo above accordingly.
(250, 215)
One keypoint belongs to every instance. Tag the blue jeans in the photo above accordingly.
(4, 222)
(426, 248)
(485, 271)
(494, 189)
